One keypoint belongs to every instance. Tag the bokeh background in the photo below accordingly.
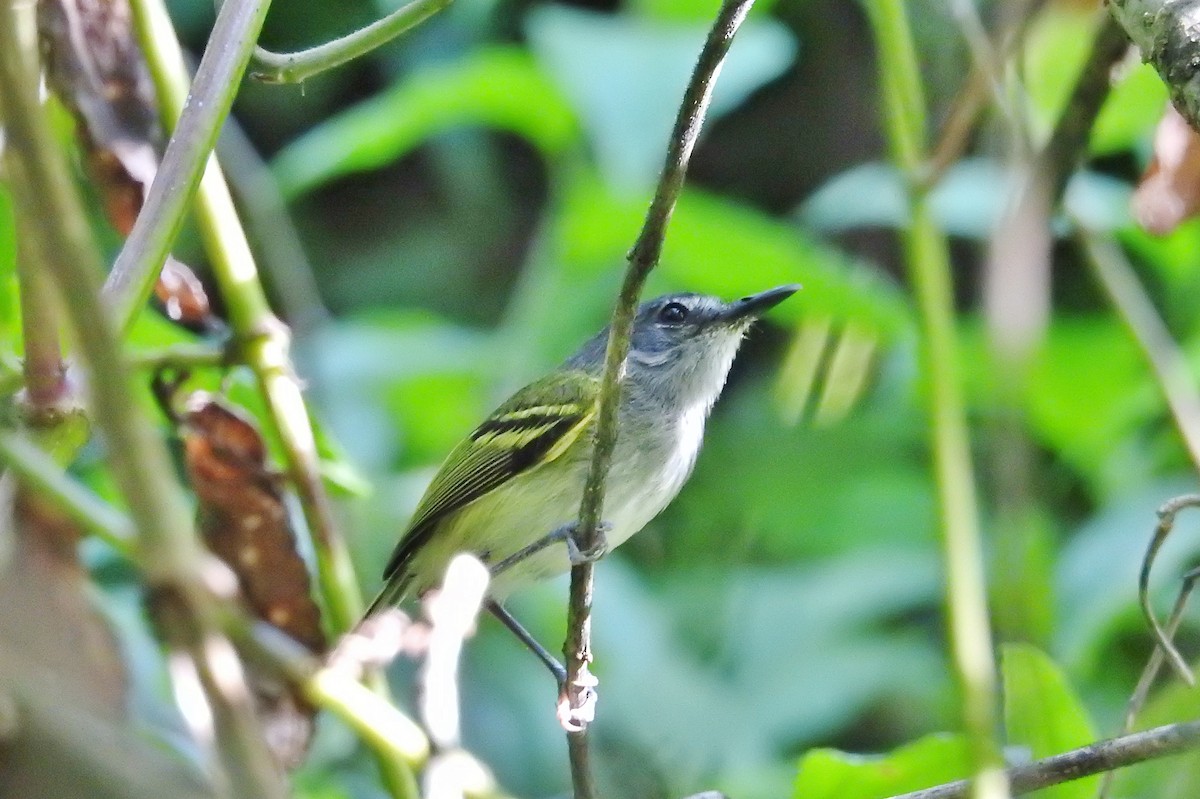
(447, 218)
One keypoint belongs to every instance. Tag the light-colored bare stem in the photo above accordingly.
(1167, 361)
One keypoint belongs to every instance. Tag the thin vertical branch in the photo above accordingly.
(1167, 361)
(642, 260)
(929, 267)
(45, 372)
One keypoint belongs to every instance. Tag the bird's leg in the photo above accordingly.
(557, 669)
(567, 533)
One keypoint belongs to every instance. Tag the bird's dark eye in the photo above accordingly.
(673, 313)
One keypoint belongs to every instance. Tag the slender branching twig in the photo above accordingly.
(1085, 761)
(327, 686)
(296, 67)
(260, 339)
(1154, 664)
(642, 259)
(1167, 361)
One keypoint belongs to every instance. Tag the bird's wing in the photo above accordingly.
(535, 426)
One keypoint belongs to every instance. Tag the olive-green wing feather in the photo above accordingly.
(535, 426)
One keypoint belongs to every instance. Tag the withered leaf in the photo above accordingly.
(1168, 193)
(244, 521)
(95, 66)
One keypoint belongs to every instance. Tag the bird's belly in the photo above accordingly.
(535, 504)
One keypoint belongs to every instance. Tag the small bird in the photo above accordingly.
(509, 492)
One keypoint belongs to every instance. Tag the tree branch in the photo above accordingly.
(642, 259)
(1114, 753)
(1164, 30)
(217, 80)
(296, 67)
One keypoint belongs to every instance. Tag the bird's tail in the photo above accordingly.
(394, 591)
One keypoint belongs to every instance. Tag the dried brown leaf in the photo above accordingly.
(1169, 191)
(244, 521)
(95, 66)
(182, 294)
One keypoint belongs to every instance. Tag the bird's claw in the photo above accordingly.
(599, 548)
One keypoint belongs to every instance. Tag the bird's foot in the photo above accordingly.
(579, 555)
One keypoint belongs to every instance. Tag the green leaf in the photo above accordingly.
(1043, 714)
(689, 10)
(929, 761)
(625, 74)
(1131, 111)
(1054, 51)
(498, 87)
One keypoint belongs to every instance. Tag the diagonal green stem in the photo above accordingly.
(296, 67)
(262, 341)
(928, 261)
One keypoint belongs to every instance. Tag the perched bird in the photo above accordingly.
(510, 491)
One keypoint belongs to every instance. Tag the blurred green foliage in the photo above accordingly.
(466, 196)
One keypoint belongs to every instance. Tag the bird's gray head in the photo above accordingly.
(683, 344)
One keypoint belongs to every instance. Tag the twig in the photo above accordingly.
(971, 99)
(1164, 30)
(452, 613)
(928, 262)
(1150, 673)
(1171, 739)
(332, 688)
(45, 373)
(217, 79)
(1167, 361)
(138, 458)
(1059, 158)
(369, 715)
(296, 67)
(181, 356)
(40, 472)
(1166, 522)
(261, 339)
(642, 259)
